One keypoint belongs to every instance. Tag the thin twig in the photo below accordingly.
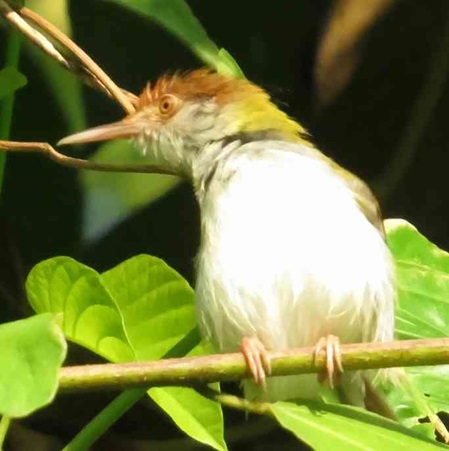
(90, 73)
(15, 19)
(87, 62)
(226, 367)
(235, 402)
(47, 150)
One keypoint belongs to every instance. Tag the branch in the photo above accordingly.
(48, 151)
(228, 367)
(83, 66)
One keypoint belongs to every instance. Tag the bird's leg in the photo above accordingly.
(330, 344)
(257, 359)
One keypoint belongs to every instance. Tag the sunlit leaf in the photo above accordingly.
(338, 427)
(32, 352)
(109, 198)
(422, 280)
(141, 309)
(155, 302)
(192, 412)
(422, 271)
(10, 80)
(177, 17)
(90, 317)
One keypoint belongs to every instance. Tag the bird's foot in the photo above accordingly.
(330, 344)
(257, 359)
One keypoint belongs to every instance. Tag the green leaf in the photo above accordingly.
(139, 310)
(32, 352)
(90, 317)
(192, 412)
(332, 427)
(422, 272)
(10, 80)
(156, 304)
(111, 197)
(177, 17)
(65, 87)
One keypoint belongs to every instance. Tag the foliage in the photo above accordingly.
(142, 309)
(336, 427)
(139, 310)
(10, 80)
(33, 350)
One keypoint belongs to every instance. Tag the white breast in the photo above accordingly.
(286, 255)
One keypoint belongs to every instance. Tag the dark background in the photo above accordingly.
(275, 43)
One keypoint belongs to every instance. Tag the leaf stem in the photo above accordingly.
(4, 426)
(103, 421)
(113, 411)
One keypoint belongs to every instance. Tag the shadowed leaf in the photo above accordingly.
(110, 198)
(10, 80)
(177, 17)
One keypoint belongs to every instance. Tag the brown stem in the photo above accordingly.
(234, 402)
(90, 73)
(34, 36)
(225, 367)
(47, 150)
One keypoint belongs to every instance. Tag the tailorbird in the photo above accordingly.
(292, 249)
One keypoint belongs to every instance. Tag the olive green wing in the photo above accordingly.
(366, 201)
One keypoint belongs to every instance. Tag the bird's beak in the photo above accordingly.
(116, 130)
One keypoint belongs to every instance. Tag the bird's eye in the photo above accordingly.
(168, 104)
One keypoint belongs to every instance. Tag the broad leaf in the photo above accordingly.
(90, 317)
(177, 17)
(336, 427)
(158, 306)
(203, 420)
(422, 271)
(155, 302)
(32, 352)
(422, 280)
(111, 197)
(141, 309)
(10, 80)
(192, 412)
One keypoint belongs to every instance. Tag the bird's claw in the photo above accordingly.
(330, 344)
(257, 359)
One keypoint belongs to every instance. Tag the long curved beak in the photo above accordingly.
(114, 130)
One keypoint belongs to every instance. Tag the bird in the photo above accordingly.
(292, 250)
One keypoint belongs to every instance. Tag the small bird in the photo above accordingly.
(292, 249)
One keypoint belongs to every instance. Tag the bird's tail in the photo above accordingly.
(376, 402)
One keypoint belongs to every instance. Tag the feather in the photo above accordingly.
(288, 256)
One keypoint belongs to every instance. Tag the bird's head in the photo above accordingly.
(181, 115)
